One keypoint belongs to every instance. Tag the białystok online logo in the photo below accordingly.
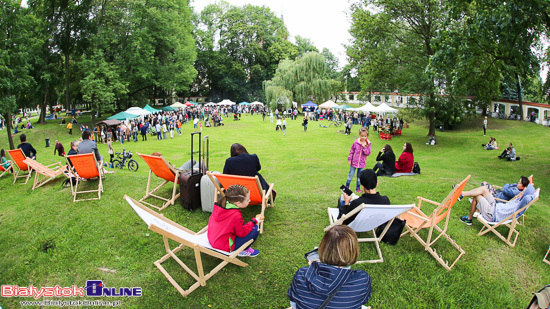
(93, 288)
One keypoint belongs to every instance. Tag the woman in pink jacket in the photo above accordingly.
(358, 156)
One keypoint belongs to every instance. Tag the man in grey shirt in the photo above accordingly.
(89, 146)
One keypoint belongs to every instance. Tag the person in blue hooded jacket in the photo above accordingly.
(311, 285)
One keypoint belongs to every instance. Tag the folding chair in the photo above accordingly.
(85, 166)
(17, 156)
(368, 219)
(417, 220)
(198, 242)
(545, 259)
(44, 170)
(162, 169)
(9, 168)
(506, 201)
(511, 221)
(257, 195)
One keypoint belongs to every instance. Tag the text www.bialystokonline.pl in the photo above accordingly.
(74, 303)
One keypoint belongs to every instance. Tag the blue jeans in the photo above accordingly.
(239, 241)
(351, 173)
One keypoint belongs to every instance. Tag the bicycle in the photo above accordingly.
(336, 123)
(123, 158)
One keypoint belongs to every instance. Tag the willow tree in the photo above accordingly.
(300, 80)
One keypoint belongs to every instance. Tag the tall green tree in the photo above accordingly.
(15, 41)
(300, 80)
(305, 46)
(238, 48)
(392, 47)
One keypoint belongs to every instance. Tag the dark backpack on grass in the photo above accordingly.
(416, 168)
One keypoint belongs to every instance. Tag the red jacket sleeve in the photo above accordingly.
(240, 228)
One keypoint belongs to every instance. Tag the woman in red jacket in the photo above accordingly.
(226, 228)
(406, 160)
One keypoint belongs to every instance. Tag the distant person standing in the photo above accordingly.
(485, 126)
(70, 127)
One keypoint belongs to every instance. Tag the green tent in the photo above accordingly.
(168, 108)
(123, 116)
(150, 109)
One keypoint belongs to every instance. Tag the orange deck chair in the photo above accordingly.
(44, 170)
(162, 169)
(257, 195)
(417, 220)
(17, 156)
(86, 167)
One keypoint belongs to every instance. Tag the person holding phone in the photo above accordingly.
(387, 167)
(369, 182)
(357, 158)
(330, 281)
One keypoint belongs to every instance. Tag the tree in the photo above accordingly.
(305, 46)
(300, 80)
(15, 41)
(392, 48)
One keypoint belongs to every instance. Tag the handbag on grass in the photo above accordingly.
(394, 232)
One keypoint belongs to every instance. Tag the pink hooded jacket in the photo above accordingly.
(358, 155)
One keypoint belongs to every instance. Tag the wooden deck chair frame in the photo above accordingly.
(165, 171)
(397, 210)
(46, 171)
(511, 222)
(5, 170)
(17, 156)
(418, 220)
(258, 196)
(83, 168)
(186, 238)
(545, 259)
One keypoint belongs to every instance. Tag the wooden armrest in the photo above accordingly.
(427, 200)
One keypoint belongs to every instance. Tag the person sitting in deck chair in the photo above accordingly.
(488, 207)
(89, 146)
(369, 182)
(509, 190)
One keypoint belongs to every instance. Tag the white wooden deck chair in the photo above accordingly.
(369, 217)
(198, 242)
(162, 169)
(545, 259)
(46, 171)
(417, 220)
(511, 221)
(498, 200)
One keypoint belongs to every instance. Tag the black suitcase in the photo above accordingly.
(190, 190)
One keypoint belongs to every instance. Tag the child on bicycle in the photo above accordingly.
(226, 228)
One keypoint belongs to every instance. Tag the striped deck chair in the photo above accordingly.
(44, 170)
(17, 156)
(86, 167)
(417, 220)
(162, 169)
(257, 195)
(198, 242)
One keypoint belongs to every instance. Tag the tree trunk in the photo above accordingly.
(518, 89)
(43, 106)
(67, 84)
(8, 118)
(93, 112)
(431, 115)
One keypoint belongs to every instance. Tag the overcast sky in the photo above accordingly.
(325, 23)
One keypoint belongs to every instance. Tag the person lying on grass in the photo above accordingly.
(484, 201)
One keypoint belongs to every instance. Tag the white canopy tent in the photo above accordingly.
(178, 105)
(367, 108)
(257, 103)
(210, 104)
(226, 102)
(384, 108)
(137, 111)
(328, 104)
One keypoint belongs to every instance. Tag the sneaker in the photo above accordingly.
(466, 220)
(359, 191)
(252, 252)
(460, 197)
(476, 214)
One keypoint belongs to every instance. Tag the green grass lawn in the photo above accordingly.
(48, 240)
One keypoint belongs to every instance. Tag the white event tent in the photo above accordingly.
(257, 103)
(178, 105)
(210, 104)
(226, 102)
(137, 111)
(384, 108)
(367, 108)
(328, 104)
